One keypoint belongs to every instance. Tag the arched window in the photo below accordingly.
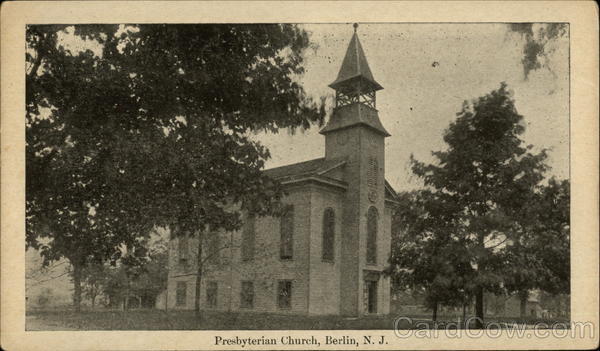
(372, 224)
(328, 234)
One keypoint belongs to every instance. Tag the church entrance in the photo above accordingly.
(372, 297)
(370, 291)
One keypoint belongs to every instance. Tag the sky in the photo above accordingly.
(420, 99)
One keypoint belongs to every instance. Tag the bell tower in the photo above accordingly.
(355, 100)
(355, 134)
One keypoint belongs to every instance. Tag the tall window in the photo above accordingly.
(328, 234)
(181, 294)
(212, 290)
(286, 250)
(247, 295)
(284, 294)
(372, 219)
(214, 247)
(182, 249)
(248, 235)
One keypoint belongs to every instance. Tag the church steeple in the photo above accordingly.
(355, 137)
(355, 78)
(355, 87)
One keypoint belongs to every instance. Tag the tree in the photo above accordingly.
(538, 47)
(426, 254)
(67, 191)
(540, 258)
(485, 177)
(149, 126)
(553, 236)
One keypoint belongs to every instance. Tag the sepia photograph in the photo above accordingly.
(276, 177)
(223, 176)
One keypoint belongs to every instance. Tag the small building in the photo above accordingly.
(326, 254)
(532, 307)
(510, 305)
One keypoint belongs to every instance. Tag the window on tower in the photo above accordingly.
(372, 224)
(372, 172)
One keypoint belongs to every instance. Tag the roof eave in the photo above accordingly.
(326, 130)
(334, 183)
(338, 83)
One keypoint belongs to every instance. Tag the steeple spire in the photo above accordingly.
(355, 75)
(355, 90)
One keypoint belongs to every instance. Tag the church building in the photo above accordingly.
(327, 253)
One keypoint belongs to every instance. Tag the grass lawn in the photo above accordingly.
(210, 320)
(187, 320)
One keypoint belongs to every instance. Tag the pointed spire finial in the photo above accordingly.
(355, 25)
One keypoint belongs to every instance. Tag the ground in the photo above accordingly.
(186, 320)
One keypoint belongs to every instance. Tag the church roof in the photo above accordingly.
(302, 168)
(351, 115)
(355, 67)
(316, 169)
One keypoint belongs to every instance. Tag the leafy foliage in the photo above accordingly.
(425, 253)
(477, 208)
(537, 48)
(149, 126)
(540, 259)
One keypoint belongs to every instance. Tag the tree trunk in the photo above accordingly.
(435, 311)
(479, 308)
(464, 312)
(479, 313)
(167, 296)
(126, 302)
(93, 301)
(523, 295)
(77, 286)
(198, 273)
